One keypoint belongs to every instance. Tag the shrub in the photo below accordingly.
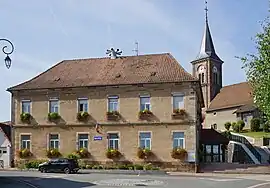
(255, 124)
(34, 163)
(227, 125)
(53, 116)
(53, 153)
(82, 116)
(181, 112)
(235, 127)
(144, 153)
(179, 153)
(241, 125)
(25, 118)
(24, 153)
(266, 127)
(113, 153)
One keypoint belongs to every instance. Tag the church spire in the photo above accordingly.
(207, 47)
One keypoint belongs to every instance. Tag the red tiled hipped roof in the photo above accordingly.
(232, 96)
(154, 68)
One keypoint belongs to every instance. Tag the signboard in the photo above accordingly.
(97, 138)
(191, 156)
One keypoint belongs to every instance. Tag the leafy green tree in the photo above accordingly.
(227, 125)
(257, 67)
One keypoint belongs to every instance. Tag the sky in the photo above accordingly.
(48, 31)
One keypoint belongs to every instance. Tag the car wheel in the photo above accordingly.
(42, 170)
(67, 171)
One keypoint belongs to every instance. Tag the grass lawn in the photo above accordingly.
(259, 134)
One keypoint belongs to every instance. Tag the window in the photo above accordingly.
(145, 140)
(54, 141)
(82, 105)
(215, 79)
(214, 126)
(178, 101)
(144, 103)
(53, 105)
(112, 103)
(26, 106)
(113, 141)
(178, 140)
(25, 141)
(202, 78)
(201, 72)
(83, 141)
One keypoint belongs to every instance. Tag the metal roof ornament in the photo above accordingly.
(114, 53)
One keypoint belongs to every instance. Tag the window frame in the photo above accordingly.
(108, 139)
(30, 105)
(49, 141)
(108, 102)
(184, 139)
(78, 140)
(30, 141)
(78, 104)
(139, 138)
(149, 103)
(178, 94)
(49, 104)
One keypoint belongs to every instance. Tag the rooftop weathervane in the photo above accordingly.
(113, 54)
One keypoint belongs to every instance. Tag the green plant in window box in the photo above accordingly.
(53, 116)
(74, 155)
(24, 153)
(112, 115)
(82, 116)
(25, 118)
(145, 114)
(179, 153)
(113, 153)
(53, 153)
(83, 153)
(144, 153)
(179, 111)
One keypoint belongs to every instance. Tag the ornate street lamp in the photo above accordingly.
(7, 59)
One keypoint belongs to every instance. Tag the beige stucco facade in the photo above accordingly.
(161, 126)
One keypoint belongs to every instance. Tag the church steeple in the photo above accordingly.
(207, 46)
(208, 66)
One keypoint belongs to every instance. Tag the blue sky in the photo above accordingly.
(46, 32)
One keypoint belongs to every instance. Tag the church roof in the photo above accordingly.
(230, 96)
(142, 69)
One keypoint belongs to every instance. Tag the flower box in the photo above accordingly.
(83, 116)
(53, 153)
(179, 114)
(83, 153)
(113, 115)
(113, 153)
(145, 114)
(25, 118)
(24, 153)
(144, 153)
(179, 153)
(53, 116)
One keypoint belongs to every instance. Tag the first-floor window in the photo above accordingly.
(54, 141)
(178, 140)
(145, 140)
(83, 141)
(113, 141)
(25, 142)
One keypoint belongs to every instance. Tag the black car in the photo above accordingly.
(60, 165)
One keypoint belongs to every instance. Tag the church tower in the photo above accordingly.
(208, 66)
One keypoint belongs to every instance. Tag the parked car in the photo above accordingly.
(60, 165)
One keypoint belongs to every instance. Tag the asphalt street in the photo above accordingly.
(20, 179)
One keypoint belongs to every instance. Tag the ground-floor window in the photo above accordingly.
(54, 141)
(213, 153)
(113, 141)
(83, 141)
(25, 142)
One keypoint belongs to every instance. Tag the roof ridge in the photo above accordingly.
(96, 58)
(25, 82)
(236, 84)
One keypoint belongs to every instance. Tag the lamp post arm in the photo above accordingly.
(4, 49)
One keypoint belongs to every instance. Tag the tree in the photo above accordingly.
(257, 67)
(227, 126)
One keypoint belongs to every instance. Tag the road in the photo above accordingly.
(51, 180)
